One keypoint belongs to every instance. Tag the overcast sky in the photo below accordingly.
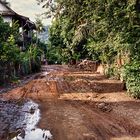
(28, 8)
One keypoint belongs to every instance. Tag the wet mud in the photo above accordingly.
(66, 104)
(19, 121)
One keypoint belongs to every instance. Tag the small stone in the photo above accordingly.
(32, 110)
(104, 107)
(101, 105)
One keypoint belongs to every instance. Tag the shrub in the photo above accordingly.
(131, 75)
(113, 72)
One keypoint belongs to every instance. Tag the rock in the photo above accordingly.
(104, 107)
(32, 110)
(88, 65)
(101, 105)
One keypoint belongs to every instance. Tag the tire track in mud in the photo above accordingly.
(107, 125)
(69, 120)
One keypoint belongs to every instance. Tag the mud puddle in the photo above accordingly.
(18, 121)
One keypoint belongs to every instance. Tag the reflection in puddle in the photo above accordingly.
(28, 129)
(36, 134)
(45, 73)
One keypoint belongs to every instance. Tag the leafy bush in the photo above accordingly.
(30, 59)
(53, 55)
(113, 72)
(131, 75)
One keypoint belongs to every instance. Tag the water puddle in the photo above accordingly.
(34, 134)
(31, 118)
(45, 73)
(19, 122)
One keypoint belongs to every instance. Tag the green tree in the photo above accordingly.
(14, 62)
(104, 30)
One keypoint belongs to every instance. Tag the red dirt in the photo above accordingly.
(77, 105)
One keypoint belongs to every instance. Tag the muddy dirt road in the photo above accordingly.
(74, 105)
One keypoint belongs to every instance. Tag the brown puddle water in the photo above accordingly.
(18, 121)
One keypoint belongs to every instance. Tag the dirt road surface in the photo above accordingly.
(81, 105)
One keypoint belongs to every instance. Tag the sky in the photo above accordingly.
(28, 8)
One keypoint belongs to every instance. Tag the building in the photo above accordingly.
(26, 26)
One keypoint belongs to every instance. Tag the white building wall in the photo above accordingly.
(8, 19)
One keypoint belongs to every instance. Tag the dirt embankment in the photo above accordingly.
(79, 105)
